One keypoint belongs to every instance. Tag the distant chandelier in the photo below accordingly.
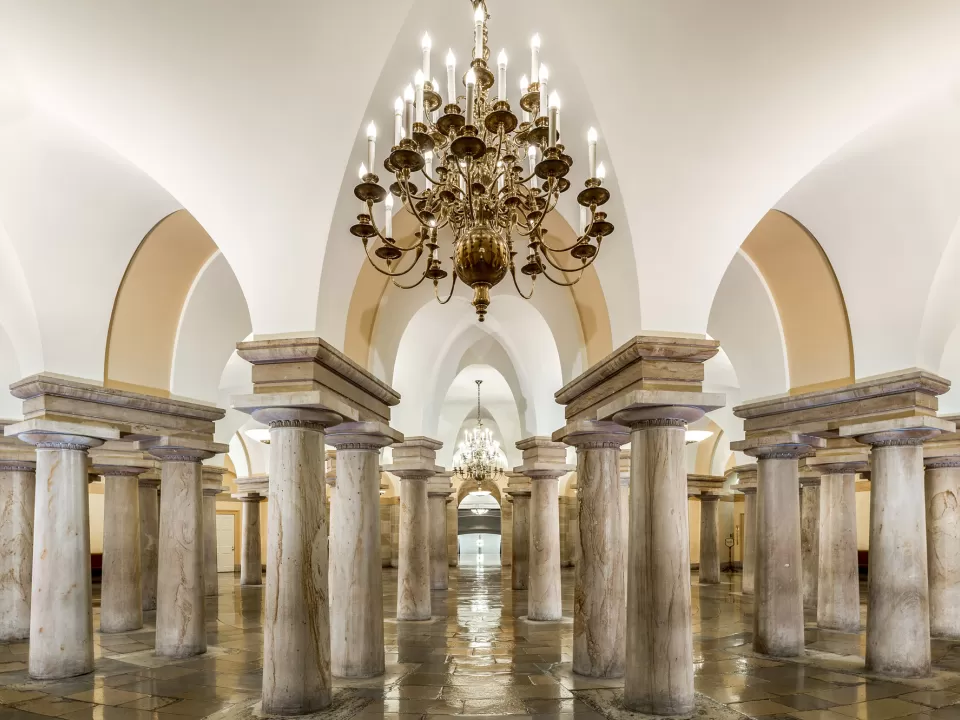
(479, 453)
(471, 165)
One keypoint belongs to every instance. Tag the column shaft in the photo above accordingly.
(810, 541)
(898, 610)
(356, 584)
(599, 605)
(749, 542)
(710, 539)
(296, 637)
(453, 552)
(61, 611)
(778, 611)
(121, 599)
(439, 567)
(149, 542)
(520, 567)
(544, 601)
(413, 577)
(943, 546)
(251, 563)
(838, 590)
(17, 491)
(181, 618)
(659, 639)
(210, 584)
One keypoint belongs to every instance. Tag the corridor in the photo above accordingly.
(478, 657)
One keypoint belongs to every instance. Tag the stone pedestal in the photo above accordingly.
(544, 461)
(212, 486)
(518, 488)
(838, 589)
(149, 500)
(121, 595)
(61, 611)
(599, 604)
(747, 484)
(942, 483)
(181, 618)
(810, 539)
(439, 490)
(778, 609)
(414, 463)
(898, 609)
(17, 491)
(356, 585)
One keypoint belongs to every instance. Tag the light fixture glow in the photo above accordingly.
(695, 436)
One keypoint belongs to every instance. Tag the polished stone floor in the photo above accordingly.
(479, 656)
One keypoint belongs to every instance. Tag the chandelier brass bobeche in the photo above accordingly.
(487, 175)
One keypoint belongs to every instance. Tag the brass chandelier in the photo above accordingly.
(478, 169)
(479, 453)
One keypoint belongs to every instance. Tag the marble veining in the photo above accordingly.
(838, 590)
(943, 550)
(121, 603)
(544, 587)
(810, 542)
(149, 542)
(413, 578)
(709, 571)
(251, 562)
(17, 491)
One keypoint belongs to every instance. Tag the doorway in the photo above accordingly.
(226, 526)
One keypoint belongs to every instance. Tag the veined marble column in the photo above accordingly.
(149, 540)
(121, 596)
(599, 605)
(942, 483)
(518, 488)
(251, 561)
(181, 618)
(747, 484)
(544, 601)
(452, 533)
(17, 490)
(709, 572)
(438, 491)
(212, 487)
(778, 609)
(810, 538)
(356, 583)
(296, 638)
(898, 607)
(61, 610)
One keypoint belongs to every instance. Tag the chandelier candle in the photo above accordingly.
(474, 175)
(388, 217)
(425, 46)
(591, 153)
(371, 145)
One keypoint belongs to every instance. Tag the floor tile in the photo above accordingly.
(884, 709)
(758, 708)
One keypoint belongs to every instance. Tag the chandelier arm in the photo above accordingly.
(584, 266)
(411, 287)
(410, 206)
(376, 229)
(386, 272)
(564, 284)
(452, 286)
(513, 274)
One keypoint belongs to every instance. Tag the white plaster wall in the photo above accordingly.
(10, 407)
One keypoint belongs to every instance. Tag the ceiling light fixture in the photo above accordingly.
(487, 175)
(478, 456)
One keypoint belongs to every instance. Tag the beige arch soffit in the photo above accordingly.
(246, 452)
(808, 299)
(149, 303)
(369, 289)
(468, 485)
(706, 448)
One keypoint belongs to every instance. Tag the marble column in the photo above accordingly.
(61, 610)
(211, 488)
(438, 491)
(413, 576)
(181, 617)
(453, 554)
(838, 589)
(296, 637)
(520, 562)
(149, 501)
(544, 601)
(356, 584)
(121, 594)
(599, 603)
(942, 483)
(810, 538)
(747, 484)
(898, 603)
(17, 490)
(659, 639)
(251, 562)
(709, 572)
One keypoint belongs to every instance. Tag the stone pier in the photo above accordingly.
(439, 490)
(518, 488)
(251, 491)
(747, 484)
(17, 492)
(212, 478)
(706, 488)
(810, 538)
(121, 594)
(942, 486)
(149, 497)
(599, 606)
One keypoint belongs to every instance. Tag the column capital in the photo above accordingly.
(212, 479)
(252, 487)
(705, 487)
(593, 434)
(845, 462)
(782, 445)
(440, 485)
(517, 484)
(61, 435)
(898, 431)
(362, 436)
(181, 449)
(543, 459)
(944, 449)
(660, 408)
(120, 463)
(149, 482)
(415, 458)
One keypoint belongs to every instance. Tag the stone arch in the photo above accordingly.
(466, 487)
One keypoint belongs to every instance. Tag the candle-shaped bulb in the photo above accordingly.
(408, 94)
(592, 135)
(389, 201)
(555, 100)
(524, 84)
(502, 58)
(478, 15)
(601, 172)
(425, 43)
(371, 131)
(419, 79)
(388, 216)
(451, 77)
(471, 77)
(535, 42)
(363, 170)
(478, 18)
(451, 59)
(371, 144)
(471, 80)
(398, 105)
(544, 73)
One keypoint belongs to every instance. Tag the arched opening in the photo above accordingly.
(479, 524)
